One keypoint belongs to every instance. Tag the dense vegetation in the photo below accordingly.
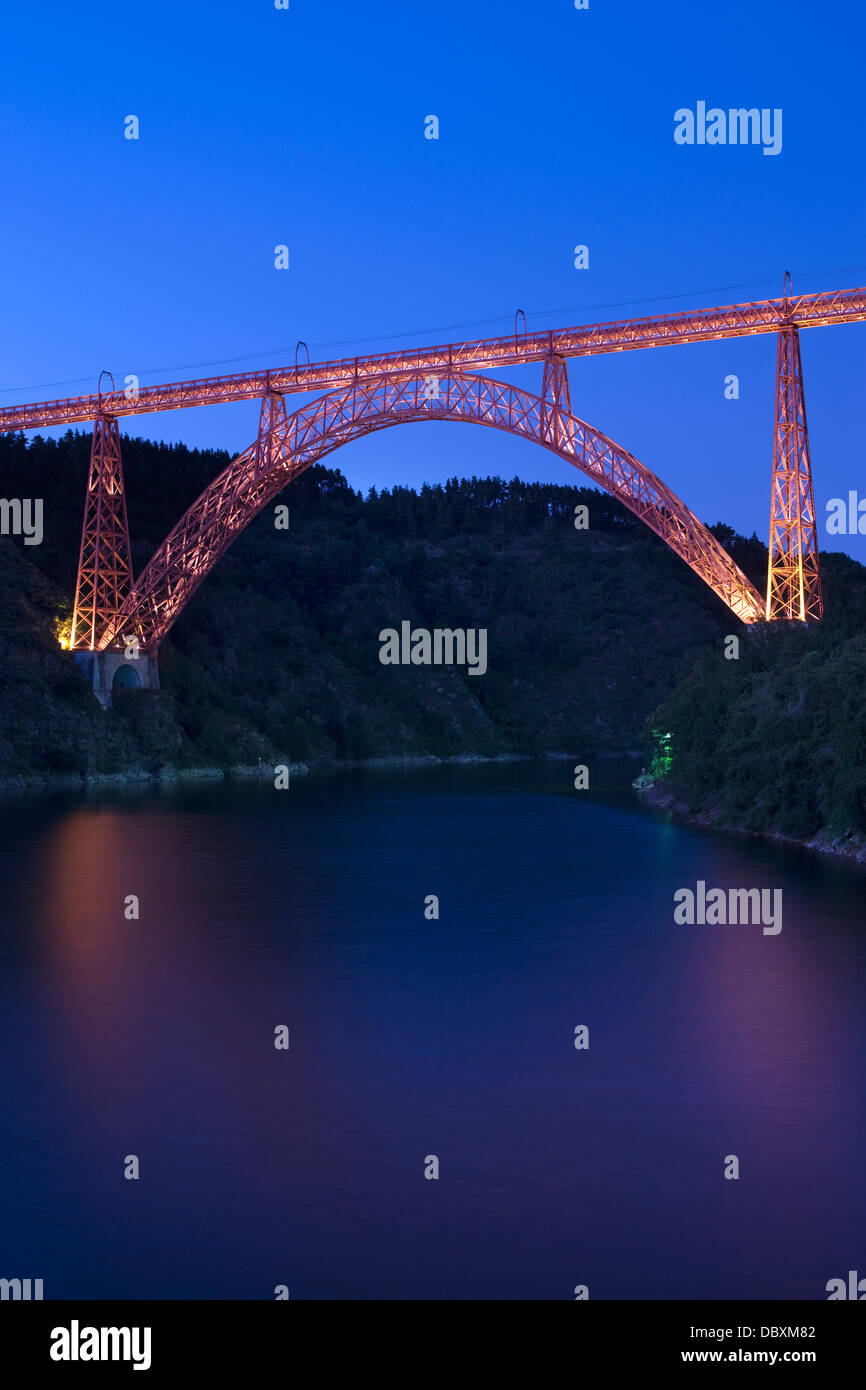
(589, 632)
(776, 741)
(277, 655)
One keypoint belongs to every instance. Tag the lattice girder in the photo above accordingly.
(793, 576)
(104, 568)
(234, 498)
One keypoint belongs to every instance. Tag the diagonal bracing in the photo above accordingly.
(233, 499)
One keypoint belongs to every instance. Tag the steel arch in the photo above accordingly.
(296, 441)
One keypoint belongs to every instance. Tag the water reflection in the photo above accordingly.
(410, 1036)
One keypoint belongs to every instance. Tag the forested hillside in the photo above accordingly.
(277, 655)
(599, 641)
(776, 741)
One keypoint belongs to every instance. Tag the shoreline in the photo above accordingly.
(847, 845)
(169, 776)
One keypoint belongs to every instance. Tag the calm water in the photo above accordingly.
(412, 1037)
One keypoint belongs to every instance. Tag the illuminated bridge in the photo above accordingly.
(360, 395)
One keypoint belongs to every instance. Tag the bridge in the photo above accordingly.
(113, 611)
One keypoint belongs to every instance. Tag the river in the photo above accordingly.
(414, 1038)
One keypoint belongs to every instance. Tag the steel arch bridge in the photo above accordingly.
(288, 444)
(373, 392)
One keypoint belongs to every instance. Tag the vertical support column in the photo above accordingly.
(271, 418)
(104, 569)
(793, 576)
(555, 400)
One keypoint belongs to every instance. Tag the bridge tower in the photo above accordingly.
(104, 568)
(105, 574)
(793, 576)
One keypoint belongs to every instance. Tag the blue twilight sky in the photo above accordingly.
(305, 126)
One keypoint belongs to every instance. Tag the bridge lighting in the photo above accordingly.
(362, 398)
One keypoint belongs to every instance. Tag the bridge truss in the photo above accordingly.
(371, 392)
